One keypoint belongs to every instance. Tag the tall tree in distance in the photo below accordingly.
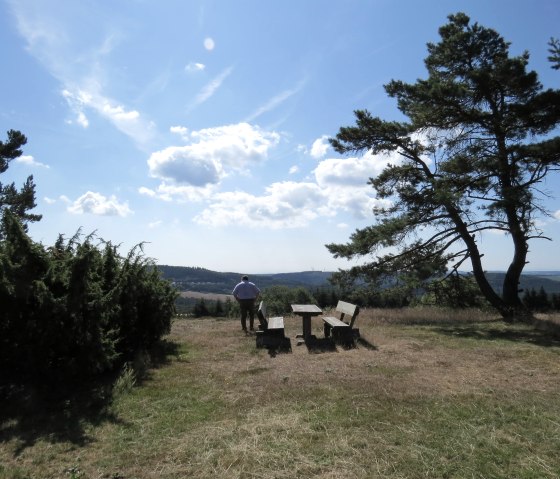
(18, 202)
(473, 155)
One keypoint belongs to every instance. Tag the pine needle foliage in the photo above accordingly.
(77, 309)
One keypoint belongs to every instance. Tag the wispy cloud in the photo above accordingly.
(275, 101)
(208, 91)
(80, 71)
(130, 122)
(195, 67)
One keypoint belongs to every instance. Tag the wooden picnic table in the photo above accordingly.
(306, 311)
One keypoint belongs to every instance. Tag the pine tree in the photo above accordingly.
(478, 145)
(18, 202)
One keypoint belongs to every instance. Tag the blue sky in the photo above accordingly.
(200, 127)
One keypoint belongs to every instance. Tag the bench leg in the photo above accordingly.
(327, 329)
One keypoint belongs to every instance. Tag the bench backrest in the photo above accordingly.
(347, 309)
(261, 313)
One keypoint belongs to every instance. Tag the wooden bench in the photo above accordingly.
(271, 332)
(341, 330)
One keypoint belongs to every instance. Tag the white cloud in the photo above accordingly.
(346, 181)
(211, 88)
(80, 71)
(30, 161)
(97, 204)
(195, 67)
(183, 166)
(82, 119)
(340, 185)
(320, 147)
(285, 205)
(209, 44)
(212, 154)
(127, 121)
(294, 169)
(351, 171)
(154, 224)
(182, 131)
(557, 214)
(181, 193)
(49, 201)
(118, 113)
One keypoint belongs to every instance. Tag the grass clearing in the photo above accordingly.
(426, 394)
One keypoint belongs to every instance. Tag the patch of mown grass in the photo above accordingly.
(220, 408)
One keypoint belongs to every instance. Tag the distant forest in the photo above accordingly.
(207, 281)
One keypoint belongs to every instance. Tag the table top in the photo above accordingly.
(306, 309)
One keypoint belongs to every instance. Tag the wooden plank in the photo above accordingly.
(276, 323)
(335, 322)
(346, 308)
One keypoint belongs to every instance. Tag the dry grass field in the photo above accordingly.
(206, 296)
(424, 394)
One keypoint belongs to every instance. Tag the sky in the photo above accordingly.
(200, 128)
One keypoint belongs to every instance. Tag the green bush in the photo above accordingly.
(75, 310)
(279, 298)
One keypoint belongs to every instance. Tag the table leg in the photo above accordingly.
(306, 326)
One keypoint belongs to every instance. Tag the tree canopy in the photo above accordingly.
(473, 155)
(18, 202)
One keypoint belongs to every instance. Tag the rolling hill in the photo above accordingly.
(206, 281)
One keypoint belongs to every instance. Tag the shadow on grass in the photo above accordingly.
(52, 413)
(320, 345)
(545, 337)
(366, 344)
(62, 412)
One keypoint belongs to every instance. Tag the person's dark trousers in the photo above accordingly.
(247, 307)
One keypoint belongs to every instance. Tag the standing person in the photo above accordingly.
(246, 293)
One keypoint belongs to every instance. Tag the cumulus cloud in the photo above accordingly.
(285, 205)
(351, 171)
(209, 44)
(294, 169)
(320, 147)
(97, 204)
(194, 172)
(557, 215)
(30, 161)
(181, 165)
(211, 154)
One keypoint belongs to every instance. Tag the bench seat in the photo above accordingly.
(276, 323)
(271, 334)
(335, 322)
(339, 329)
